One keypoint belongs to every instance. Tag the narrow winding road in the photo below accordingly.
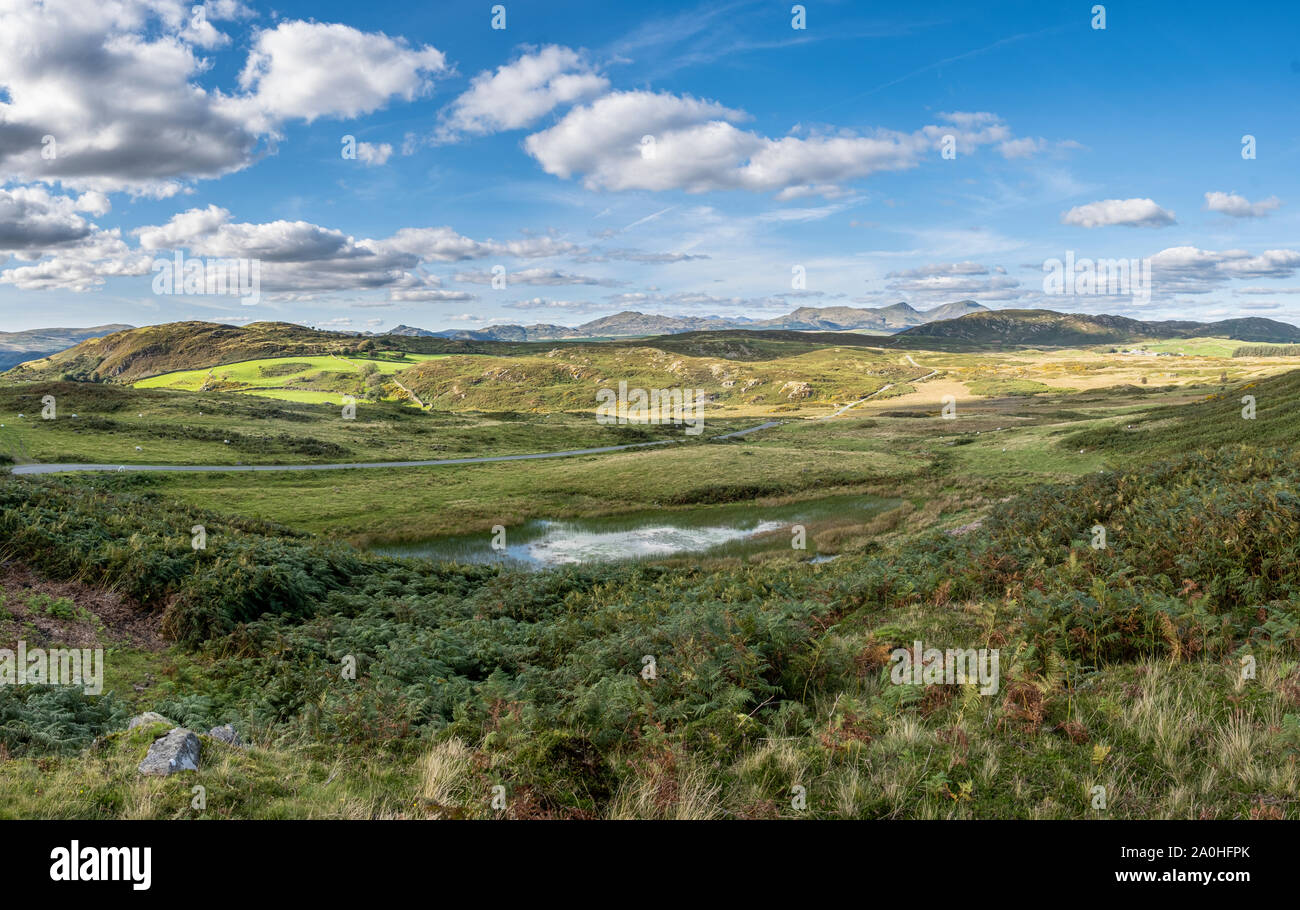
(478, 459)
(884, 388)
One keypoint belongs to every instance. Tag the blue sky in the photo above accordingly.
(519, 149)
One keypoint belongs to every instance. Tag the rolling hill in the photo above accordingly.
(135, 354)
(19, 347)
(569, 378)
(1047, 328)
(1214, 421)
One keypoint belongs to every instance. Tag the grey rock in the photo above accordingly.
(226, 733)
(148, 717)
(177, 750)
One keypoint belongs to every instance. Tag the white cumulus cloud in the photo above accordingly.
(306, 70)
(518, 93)
(631, 140)
(1129, 212)
(109, 96)
(1240, 206)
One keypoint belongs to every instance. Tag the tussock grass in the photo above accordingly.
(1121, 668)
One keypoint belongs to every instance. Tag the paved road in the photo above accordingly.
(480, 459)
(746, 432)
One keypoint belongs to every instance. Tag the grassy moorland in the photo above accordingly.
(319, 380)
(568, 379)
(995, 447)
(134, 354)
(376, 506)
(1121, 667)
(104, 423)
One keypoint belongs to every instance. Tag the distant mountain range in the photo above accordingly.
(1047, 328)
(132, 354)
(17, 347)
(631, 324)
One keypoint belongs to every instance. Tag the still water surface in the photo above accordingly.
(713, 530)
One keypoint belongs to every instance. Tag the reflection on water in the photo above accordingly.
(566, 543)
(715, 530)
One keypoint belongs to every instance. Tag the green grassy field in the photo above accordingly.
(1115, 672)
(1120, 666)
(1202, 347)
(998, 444)
(376, 506)
(318, 380)
(100, 423)
(996, 447)
(302, 396)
